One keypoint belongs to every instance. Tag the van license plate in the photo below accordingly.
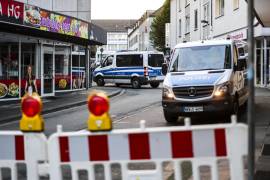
(193, 109)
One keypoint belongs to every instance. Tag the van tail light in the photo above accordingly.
(146, 71)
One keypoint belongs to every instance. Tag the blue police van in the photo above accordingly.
(135, 68)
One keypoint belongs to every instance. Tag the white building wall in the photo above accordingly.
(232, 21)
(142, 33)
(173, 24)
(116, 41)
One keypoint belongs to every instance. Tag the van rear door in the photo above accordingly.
(155, 62)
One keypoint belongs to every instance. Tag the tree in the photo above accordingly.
(157, 34)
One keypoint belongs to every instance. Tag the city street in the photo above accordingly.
(133, 105)
(127, 109)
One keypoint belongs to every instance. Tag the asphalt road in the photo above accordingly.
(127, 109)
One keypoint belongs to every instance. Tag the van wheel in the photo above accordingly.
(154, 84)
(169, 117)
(100, 81)
(135, 83)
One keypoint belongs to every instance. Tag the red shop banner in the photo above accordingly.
(11, 11)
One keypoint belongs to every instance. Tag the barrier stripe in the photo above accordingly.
(160, 144)
(64, 149)
(139, 146)
(181, 143)
(7, 149)
(142, 146)
(121, 152)
(221, 146)
(19, 145)
(78, 154)
(203, 143)
(98, 147)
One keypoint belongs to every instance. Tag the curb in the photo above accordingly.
(68, 106)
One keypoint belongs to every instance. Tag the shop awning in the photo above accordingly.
(263, 12)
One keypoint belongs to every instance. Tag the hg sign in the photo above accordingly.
(11, 9)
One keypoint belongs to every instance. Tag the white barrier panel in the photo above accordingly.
(202, 145)
(28, 149)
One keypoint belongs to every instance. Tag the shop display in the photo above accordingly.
(62, 84)
(3, 90)
(13, 90)
(32, 15)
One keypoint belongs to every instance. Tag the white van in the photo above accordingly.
(135, 68)
(204, 77)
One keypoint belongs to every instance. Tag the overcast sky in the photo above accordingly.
(122, 9)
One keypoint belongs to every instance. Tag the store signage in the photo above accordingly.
(52, 22)
(11, 11)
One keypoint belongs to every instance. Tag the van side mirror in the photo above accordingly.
(164, 68)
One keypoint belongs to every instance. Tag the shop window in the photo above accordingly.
(78, 70)
(28, 58)
(62, 68)
(9, 68)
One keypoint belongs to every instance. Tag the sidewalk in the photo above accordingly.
(262, 122)
(10, 111)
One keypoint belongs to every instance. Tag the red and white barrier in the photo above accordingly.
(16, 147)
(202, 145)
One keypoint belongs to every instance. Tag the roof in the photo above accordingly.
(115, 25)
(204, 43)
(262, 11)
(147, 14)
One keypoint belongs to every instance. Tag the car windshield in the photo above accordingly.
(201, 58)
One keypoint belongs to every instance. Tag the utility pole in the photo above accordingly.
(251, 124)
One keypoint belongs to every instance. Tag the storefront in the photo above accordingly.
(50, 48)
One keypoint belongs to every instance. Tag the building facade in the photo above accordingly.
(117, 33)
(54, 45)
(80, 9)
(139, 35)
(193, 20)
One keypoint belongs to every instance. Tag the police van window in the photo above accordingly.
(129, 60)
(108, 61)
(155, 60)
(201, 58)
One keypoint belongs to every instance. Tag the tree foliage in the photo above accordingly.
(157, 34)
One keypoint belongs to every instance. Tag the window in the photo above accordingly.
(201, 58)
(235, 4)
(129, 60)
(187, 24)
(108, 61)
(196, 19)
(219, 8)
(206, 14)
(155, 60)
(180, 28)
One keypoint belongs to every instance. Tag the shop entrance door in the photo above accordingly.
(48, 72)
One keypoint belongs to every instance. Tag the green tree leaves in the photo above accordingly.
(157, 34)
